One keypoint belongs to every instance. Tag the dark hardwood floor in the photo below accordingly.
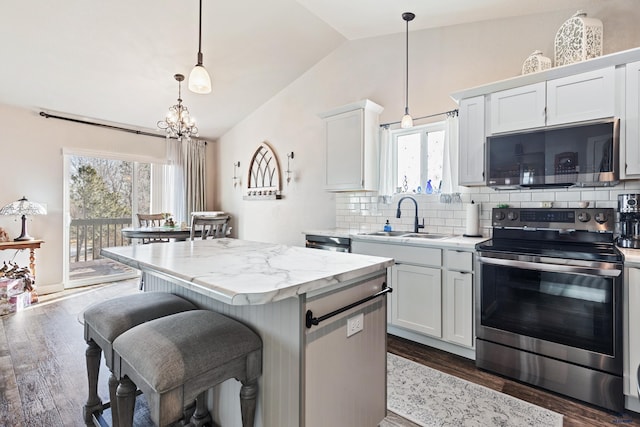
(575, 413)
(43, 379)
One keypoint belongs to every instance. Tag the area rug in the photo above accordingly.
(429, 398)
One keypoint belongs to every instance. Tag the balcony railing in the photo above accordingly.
(88, 236)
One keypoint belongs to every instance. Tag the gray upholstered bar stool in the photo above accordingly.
(174, 360)
(104, 321)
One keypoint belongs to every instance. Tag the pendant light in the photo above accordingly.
(407, 120)
(199, 80)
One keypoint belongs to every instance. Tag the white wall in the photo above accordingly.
(32, 166)
(442, 61)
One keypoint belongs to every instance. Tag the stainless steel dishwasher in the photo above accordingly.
(328, 243)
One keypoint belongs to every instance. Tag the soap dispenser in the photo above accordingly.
(387, 226)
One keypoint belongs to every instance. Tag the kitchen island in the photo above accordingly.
(329, 373)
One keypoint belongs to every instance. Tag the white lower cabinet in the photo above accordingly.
(458, 303)
(416, 298)
(432, 298)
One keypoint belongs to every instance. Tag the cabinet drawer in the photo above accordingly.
(400, 253)
(459, 260)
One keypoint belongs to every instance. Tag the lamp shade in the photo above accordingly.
(199, 80)
(23, 207)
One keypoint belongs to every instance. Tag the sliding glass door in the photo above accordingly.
(102, 196)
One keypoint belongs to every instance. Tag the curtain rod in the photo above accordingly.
(86, 122)
(450, 112)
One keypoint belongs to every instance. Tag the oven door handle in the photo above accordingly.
(553, 268)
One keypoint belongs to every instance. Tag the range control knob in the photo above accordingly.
(584, 217)
(499, 216)
(512, 215)
(601, 217)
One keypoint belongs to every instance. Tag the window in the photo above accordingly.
(418, 155)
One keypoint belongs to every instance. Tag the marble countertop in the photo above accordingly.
(631, 257)
(330, 232)
(240, 272)
(460, 242)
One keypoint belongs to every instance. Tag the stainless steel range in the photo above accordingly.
(549, 305)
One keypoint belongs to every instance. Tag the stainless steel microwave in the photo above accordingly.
(585, 154)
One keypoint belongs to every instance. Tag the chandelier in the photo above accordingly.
(178, 123)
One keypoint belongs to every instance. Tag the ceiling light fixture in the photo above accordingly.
(407, 120)
(178, 123)
(199, 80)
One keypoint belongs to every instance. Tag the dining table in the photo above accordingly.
(164, 232)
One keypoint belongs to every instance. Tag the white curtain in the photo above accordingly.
(186, 178)
(193, 154)
(386, 167)
(450, 165)
(174, 181)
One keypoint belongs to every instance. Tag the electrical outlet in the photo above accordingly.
(355, 324)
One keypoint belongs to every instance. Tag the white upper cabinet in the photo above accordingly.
(518, 108)
(576, 98)
(630, 150)
(581, 97)
(472, 141)
(351, 135)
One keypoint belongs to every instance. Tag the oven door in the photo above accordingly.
(563, 309)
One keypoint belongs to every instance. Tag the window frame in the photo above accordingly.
(423, 130)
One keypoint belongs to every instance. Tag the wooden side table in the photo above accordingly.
(32, 245)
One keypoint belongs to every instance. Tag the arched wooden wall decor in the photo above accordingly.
(263, 182)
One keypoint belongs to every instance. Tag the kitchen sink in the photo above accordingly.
(387, 233)
(426, 235)
(407, 234)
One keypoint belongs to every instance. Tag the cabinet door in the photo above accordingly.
(458, 308)
(472, 140)
(417, 299)
(633, 332)
(580, 97)
(345, 151)
(630, 149)
(518, 108)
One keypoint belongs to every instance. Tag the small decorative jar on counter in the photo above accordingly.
(536, 62)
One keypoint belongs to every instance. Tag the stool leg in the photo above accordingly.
(92, 356)
(113, 385)
(126, 397)
(201, 416)
(248, 394)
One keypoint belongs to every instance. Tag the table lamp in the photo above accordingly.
(23, 207)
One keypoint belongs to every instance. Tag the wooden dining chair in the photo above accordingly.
(214, 227)
(151, 220)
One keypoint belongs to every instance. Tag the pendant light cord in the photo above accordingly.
(406, 93)
(200, 35)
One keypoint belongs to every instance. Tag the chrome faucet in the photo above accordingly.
(416, 226)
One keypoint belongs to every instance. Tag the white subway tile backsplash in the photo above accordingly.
(362, 212)
(568, 196)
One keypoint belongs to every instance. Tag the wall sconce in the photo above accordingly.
(289, 171)
(236, 178)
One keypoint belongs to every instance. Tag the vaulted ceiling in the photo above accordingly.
(114, 60)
